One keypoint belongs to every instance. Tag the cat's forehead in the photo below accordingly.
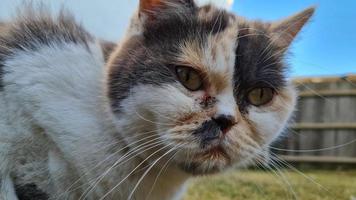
(215, 55)
(208, 40)
(239, 47)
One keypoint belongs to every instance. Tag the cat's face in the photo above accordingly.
(202, 84)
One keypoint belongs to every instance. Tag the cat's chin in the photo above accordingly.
(211, 161)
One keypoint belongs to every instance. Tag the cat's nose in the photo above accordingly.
(225, 122)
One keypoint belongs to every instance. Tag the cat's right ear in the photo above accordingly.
(286, 30)
(154, 9)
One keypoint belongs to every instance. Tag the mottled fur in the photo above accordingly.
(82, 118)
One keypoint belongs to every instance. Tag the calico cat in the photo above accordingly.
(189, 91)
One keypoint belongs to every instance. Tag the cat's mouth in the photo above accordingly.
(210, 161)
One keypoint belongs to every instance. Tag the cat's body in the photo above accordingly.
(73, 125)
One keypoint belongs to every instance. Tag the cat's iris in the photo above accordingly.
(260, 96)
(189, 77)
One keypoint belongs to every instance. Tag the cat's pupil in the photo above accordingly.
(261, 93)
(187, 75)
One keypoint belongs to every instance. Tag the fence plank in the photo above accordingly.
(325, 118)
(316, 126)
(325, 93)
(320, 159)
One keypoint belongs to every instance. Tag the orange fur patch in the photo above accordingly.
(199, 117)
(148, 5)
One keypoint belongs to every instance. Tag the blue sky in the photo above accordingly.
(327, 45)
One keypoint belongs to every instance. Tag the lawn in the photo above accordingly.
(265, 185)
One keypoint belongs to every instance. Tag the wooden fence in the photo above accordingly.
(324, 127)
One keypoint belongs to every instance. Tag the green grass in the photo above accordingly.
(256, 185)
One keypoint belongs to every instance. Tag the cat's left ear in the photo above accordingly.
(286, 30)
(155, 9)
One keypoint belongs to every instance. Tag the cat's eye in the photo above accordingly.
(189, 77)
(260, 96)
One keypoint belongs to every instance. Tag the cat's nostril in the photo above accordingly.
(225, 122)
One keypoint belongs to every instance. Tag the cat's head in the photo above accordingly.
(202, 84)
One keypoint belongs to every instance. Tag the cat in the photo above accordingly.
(190, 90)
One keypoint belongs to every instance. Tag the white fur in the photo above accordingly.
(55, 95)
(226, 103)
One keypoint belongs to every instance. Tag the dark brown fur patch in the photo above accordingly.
(137, 65)
(215, 20)
(30, 192)
(259, 62)
(36, 28)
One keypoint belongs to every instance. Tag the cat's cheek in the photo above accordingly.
(267, 125)
(270, 120)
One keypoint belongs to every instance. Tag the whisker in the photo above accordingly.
(278, 53)
(148, 170)
(147, 120)
(117, 185)
(165, 166)
(274, 170)
(144, 146)
(285, 163)
(317, 94)
(314, 150)
(107, 158)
